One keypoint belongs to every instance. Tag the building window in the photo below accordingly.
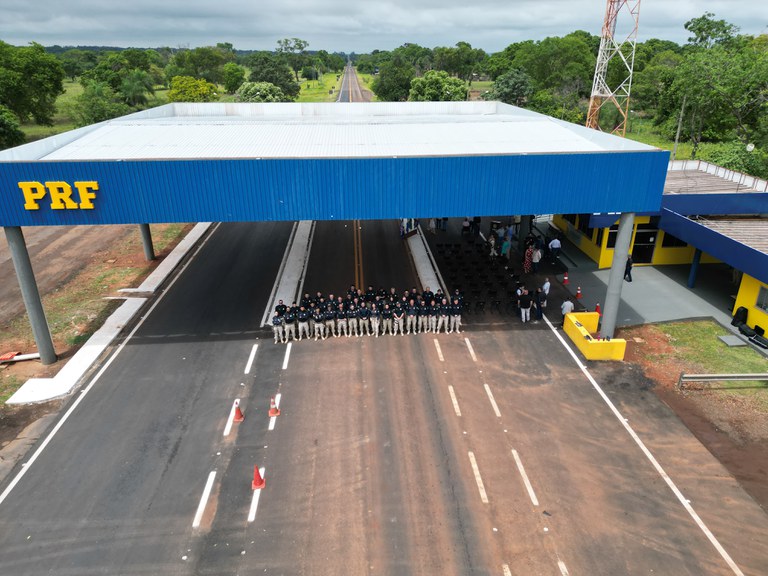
(762, 299)
(612, 232)
(670, 241)
(570, 218)
(584, 225)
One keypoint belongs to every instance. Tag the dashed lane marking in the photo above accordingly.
(478, 479)
(493, 401)
(439, 351)
(204, 500)
(506, 570)
(672, 486)
(249, 364)
(455, 401)
(526, 481)
(273, 419)
(471, 350)
(231, 419)
(563, 568)
(287, 355)
(255, 499)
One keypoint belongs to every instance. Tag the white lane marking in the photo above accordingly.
(255, 500)
(455, 401)
(471, 350)
(27, 465)
(439, 351)
(231, 419)
(672, 486)
(204, 500)
(563, 568)
(249, 364)
(527, 482)
(273, 419)
(493, 400)
(506, 570)
(478, 479)
(287, 355)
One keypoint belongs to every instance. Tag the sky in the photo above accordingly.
(344, 26)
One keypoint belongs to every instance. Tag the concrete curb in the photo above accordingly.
(37, 390)
(426, 268)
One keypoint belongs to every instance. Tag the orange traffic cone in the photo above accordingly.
(239, 416)
(597, 309)
(565, 279)
(273, 409)
(258, 480)
(578, 292)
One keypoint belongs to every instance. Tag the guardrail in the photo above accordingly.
(760, 377)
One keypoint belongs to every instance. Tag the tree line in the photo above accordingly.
(713, 89)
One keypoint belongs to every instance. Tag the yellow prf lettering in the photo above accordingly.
(87, 191)
(61, 196)
(33, 191)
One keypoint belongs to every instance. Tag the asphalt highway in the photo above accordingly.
(486, 452)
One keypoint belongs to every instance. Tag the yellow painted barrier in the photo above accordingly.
(581, 328)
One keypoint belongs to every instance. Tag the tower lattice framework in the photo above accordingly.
(622, 51)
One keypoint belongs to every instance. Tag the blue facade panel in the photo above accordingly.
(736, 254)
(340, 189)
(725, 203)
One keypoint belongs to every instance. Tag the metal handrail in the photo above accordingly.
(760, 377)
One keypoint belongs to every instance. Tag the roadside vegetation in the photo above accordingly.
(694, 347)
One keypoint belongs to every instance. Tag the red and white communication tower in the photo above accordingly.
(617, 52)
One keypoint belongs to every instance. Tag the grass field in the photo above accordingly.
(61, 120)
(642, 130)
(697, 344)
(326, 89)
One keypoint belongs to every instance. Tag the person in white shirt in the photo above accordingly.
(545, 287)
(566, 308)
(554, 248)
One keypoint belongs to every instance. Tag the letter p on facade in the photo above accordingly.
(33, 191)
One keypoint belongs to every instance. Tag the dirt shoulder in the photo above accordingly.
(77, 269)
(732, 426)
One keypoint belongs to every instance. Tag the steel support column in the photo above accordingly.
(146, 240)
(616, 277)
(30, 294)
(694, 268)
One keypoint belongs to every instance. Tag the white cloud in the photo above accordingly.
(343, 26)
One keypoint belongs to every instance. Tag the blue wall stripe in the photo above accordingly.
(343, 189)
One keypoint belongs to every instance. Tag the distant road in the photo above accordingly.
(350, 87)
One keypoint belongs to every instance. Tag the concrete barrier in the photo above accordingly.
(581, 328)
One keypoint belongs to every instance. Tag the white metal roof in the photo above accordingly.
(323, 130)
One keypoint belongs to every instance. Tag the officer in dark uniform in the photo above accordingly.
(277, 327)
(443, 319)
(398, 314)
(427, 295)
(456, 315)
(370, 294)
(290, 323)
(318, 317)
(280, 308)
(352, 315)
(386, 319)
(411, 317)
(341, 318)
(434, 311)
(423, 315)
(364, 319)
(303, 316)
(306, 300)
(329, 315)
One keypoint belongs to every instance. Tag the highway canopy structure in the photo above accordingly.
(312, 161)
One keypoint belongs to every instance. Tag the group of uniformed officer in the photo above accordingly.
(368, 313)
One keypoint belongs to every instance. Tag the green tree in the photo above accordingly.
(564, 65)
(10, 131)
(30, 82)
(513, 87)
(260, 92)
(97, 103)
(293, 52)
(135, 87)
(437, 86)
(234, 76)
(707, 31)
(137, 59)
(564, 106)
(111, 69)
(189, 89)
(393, 83)
(266, 67)
(75, 62)
(203, 62)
